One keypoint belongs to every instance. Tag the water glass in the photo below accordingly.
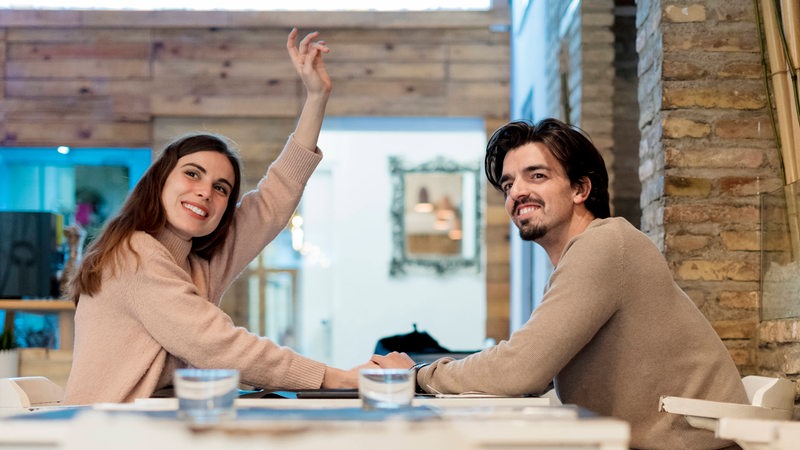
(206, 396)
(386, 388)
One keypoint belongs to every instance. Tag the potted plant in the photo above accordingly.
(9, 354)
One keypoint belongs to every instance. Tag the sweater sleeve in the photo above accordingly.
(262, 213)
(582, 297)
(167, 304)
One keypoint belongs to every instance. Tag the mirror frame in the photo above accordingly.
(401, 260)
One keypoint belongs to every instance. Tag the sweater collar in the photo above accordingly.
(176, 245)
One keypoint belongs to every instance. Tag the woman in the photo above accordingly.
(148, 291)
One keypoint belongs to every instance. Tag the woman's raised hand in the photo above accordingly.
(307, 60)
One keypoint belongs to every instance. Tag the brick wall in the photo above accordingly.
(707, 151)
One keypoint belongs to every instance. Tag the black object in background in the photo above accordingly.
(419, 345)
(29, 254)
(414, 342)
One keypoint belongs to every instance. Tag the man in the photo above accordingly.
(614, 332)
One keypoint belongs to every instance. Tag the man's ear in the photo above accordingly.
(582, 190)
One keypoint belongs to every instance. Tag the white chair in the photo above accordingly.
(27, 392)
(770, 398)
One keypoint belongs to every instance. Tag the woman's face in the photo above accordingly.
(196, 193)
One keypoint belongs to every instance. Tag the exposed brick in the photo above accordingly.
(717, 39)
(770, 360)
(691, 13)
(687, 187)
(737, 69)
(743, 158)
(739, 300)
(680, 128)
(775, 241)
(683, 70)
(744, 128)
(716, 270)
(497, 252)
(732, 11)
(792, 363)
(735, 329)
(779, 331)
(600, 19)
(712, 213)
(496, 215)
(741, 357)
(744, 186)
(741, 240)
(722, 97)
(681, 243)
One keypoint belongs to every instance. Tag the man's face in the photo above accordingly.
(539, 196)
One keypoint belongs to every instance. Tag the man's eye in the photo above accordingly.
(505, 187)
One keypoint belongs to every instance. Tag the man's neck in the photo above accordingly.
(554, 245)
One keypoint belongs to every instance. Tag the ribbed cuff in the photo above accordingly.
(304, 373)
(297, 162)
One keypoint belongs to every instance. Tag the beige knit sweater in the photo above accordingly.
(614, 332)
(162, 312)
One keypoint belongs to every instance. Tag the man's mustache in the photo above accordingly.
(526, 201)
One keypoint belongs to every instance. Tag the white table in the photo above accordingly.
(463, 424)
(758, 434)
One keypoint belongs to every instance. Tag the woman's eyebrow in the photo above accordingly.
(196, 166)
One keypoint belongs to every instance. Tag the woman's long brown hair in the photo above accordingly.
(143, 211)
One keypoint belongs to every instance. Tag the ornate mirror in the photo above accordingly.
(436, 216)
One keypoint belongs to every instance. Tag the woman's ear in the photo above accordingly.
(582, 190)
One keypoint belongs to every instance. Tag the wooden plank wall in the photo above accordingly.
(139, 79)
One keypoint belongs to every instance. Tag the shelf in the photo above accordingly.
(64, 308)
(37, 305)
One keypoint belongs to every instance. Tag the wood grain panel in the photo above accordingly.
(480, 52)
(389, 70)
(190, 70)
(385, 51)
(78, 68)
(88, 133)
(78, 34)
(345, 88)
(33, 88)
(479, 71)
(47, 51)
(225, 106)
(121, 107)
(406, 106)
(257, 139)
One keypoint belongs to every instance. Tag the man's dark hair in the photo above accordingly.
(567, 143)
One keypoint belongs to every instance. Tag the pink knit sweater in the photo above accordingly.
(162, 312)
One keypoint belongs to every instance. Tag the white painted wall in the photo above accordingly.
(348, 300)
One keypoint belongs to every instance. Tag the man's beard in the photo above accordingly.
(528, 229)
(531, 231)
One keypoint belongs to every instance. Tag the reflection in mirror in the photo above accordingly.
(436, 216)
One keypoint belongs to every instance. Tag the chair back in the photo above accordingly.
(768, 392)
(25, 392)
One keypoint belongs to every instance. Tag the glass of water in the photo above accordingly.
(386, 388)
(206, 396)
